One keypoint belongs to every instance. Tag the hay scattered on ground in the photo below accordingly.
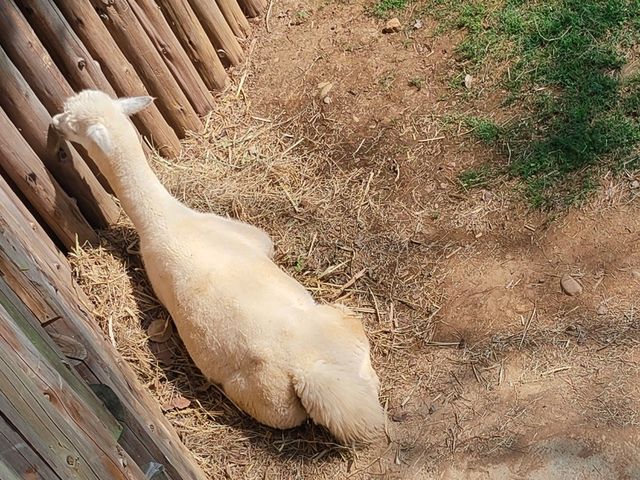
(330, 231)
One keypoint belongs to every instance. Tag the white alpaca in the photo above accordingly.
(247, 325)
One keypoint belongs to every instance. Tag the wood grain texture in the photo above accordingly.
(218, 30)
(173, 54)
(133, 41)
(25, 168)
(41, 269)
(24, 62)
(195, 41)
(86, 24)
(235, 17)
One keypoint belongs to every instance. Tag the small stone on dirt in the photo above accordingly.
(392, 26)
(324, 89)
(487, 196)
(468, 81)
(399, 416)
(602, 310)
(635, 184)
(417, 25)
(327, 100)
(570, 285)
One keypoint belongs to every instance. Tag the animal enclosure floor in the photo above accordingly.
(489, 370)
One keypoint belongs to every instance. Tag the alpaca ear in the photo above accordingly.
(99, 134)
(131, 105)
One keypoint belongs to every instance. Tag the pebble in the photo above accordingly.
(487, 196)
(399, 417)
(324, 88)
(392, 26)
(417, 24)
(570, 285)
(635, 184)
(468, 81)
(602, 310)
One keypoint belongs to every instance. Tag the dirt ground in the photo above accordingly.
(489, 370)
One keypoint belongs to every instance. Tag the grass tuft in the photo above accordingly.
(566, 60)
(483, 129)
(383, 7)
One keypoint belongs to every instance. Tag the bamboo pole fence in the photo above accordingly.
(59, 375)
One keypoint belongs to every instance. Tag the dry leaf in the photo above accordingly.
(159, 331)
(177, 403)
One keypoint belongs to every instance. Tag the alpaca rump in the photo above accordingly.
(247, 325)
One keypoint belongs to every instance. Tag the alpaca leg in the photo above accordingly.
(267, 396)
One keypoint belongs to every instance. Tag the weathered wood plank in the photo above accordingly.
(30, 56)
(236, 19)
(23, 225)
(69, 54)
(118, 70)
(135, 44)
(148, 436)
(219, 32)
(173, 54)
(53, 205)
(26, 111)
(8, 473)
(19, 457)
(66, 49)
(48, 350)
(51, 417)
(253, 8)
(194, 39)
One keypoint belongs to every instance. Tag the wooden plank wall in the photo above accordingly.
(174, 50)
(54, 422)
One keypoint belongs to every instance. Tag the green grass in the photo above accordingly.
(476, 177)
(416, 82)
(566, 57)
(383, 7)
(483, 129)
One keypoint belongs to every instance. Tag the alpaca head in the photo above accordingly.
(88, 117)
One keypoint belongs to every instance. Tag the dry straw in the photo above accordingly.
(332, 232)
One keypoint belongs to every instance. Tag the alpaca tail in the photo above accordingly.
(344, 402)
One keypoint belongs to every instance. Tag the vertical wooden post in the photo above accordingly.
(253, 8)
(235, 18)
(25, 169)
(173, 54)
(134, 43)
(70, 55)
(118, 71)
(25, 110)
(194, 39)
(34, 63)
(64, 46)
(218, 30)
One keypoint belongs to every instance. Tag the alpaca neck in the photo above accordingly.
(144, 199)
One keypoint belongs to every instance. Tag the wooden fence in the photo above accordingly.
(69, 406)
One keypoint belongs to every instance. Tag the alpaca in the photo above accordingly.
(247, 325)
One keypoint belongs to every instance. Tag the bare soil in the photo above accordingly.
(489, 370)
